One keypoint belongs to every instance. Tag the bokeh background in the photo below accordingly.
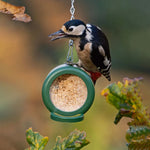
(27, 55)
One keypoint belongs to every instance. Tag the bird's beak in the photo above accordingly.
(57, 35)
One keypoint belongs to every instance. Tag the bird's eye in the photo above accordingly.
(70, 29)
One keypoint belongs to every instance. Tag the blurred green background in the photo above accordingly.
(27, 55)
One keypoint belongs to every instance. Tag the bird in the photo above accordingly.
(91, 45)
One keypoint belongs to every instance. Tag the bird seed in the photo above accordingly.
(68, 92)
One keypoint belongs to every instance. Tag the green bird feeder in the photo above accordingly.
(68, 92)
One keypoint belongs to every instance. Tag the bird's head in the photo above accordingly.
(71, 29)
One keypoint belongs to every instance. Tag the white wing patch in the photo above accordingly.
(89, 36)
(99, 28)
(101, 50)
(106, 61)
(88, 26)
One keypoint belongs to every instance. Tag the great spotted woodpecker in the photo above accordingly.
(91, 45)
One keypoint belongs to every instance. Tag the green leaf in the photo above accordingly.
(35, 140)
(138, 137)
(125, 97)
(75, 141)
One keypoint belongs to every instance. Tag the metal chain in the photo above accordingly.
(70, 51)
(72, 10)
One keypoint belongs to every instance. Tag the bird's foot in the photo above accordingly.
(76, 65)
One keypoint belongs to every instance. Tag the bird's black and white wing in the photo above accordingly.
(100, 54)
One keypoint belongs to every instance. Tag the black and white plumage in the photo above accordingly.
(91, 45)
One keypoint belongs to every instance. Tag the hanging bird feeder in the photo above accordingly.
(68, 92)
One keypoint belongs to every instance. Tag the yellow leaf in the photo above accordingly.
(105, 92)
(126, 83)
(134, 106)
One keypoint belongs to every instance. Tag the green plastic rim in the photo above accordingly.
(67, 118)
(55, 73)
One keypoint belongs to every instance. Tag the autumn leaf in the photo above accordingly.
(75, 141)
(126, 98)
(17, 12)
(35, 140)
(138, 137)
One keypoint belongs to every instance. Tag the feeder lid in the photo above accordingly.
(68, 92)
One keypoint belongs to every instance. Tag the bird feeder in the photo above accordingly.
(68, 92)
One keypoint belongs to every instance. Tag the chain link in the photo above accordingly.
(70, 51)
(72, 10)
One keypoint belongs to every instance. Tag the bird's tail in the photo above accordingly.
(106, 72)
(107, 75)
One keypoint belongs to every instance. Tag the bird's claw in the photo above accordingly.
(70, 63)
(74, 64)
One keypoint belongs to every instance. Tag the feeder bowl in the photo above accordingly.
(68, 92)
